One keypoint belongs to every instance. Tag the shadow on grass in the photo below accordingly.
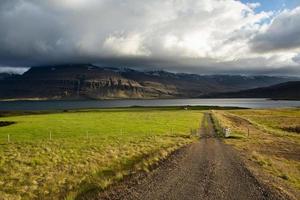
(236, 137)
(6, 123)
(109, 176)
(117, 109)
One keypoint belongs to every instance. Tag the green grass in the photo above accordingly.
(89, 149)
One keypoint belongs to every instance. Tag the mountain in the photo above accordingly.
(83, 81)
(287, 91)
(4, 76)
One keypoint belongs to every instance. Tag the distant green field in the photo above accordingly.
(65, 154)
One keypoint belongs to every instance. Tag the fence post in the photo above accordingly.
(227, 132)
(8, 138)
(248, 131)
(50, 135)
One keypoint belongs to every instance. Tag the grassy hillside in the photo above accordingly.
(270, 143)
(65, 154)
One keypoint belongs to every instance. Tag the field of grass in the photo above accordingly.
(269, 140)
(63, 155)
(276, 120)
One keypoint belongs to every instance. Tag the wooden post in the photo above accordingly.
(248, 131)
(78, 87)
(8, 138)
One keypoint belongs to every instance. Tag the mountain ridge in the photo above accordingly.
(282, 91)
(86, 81)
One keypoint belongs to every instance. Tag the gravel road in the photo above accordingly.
(208, 169)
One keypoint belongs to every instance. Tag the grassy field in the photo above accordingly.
(270, 141)
(62, 155)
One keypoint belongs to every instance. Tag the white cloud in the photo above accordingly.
(128, 45)
(254, 5)
(13, 70)
(194, 35)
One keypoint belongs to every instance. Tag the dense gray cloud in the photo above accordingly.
(297, 58)
(283, 33)
(202, 36)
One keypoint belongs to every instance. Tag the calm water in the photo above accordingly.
(59, 105)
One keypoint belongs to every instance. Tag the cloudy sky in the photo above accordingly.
(200, 36)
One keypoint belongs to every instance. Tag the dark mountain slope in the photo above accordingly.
(4, 76)
(193, 85)
(288, 90)
(70, 82)
(89, 81)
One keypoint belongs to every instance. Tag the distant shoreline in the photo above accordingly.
(120, 99)
(41, 105)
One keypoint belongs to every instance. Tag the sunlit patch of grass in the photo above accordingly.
(274, 150)
(275, 120)
(217, 123)
(288, 170)
(86, 150)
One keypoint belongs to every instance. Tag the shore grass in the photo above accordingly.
(274, 151)
(64, 154)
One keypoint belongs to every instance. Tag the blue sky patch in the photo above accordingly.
(274, 5)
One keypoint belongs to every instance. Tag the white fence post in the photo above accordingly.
(227, 132)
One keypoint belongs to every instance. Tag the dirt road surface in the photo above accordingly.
(205, 170)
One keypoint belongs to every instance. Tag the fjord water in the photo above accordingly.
(86, 104)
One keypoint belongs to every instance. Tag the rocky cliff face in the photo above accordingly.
(76, 82)
(88, 81)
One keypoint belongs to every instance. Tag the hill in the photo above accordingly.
(284, 91)
(88, 81)
(6, 75)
